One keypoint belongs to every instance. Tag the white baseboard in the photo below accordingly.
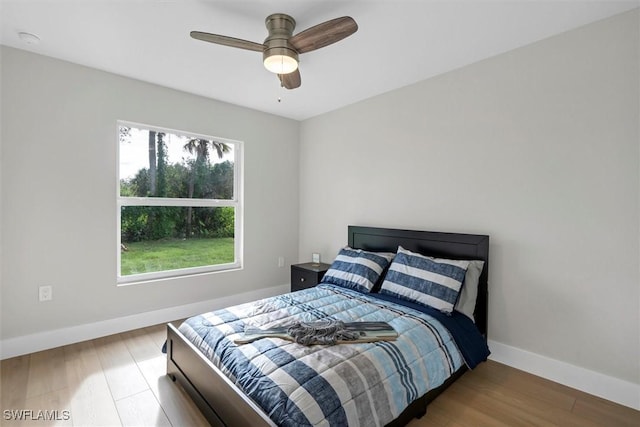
(614, 389)
(50, 339)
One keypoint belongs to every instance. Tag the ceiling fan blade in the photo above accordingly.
(291, 80)
(227, 41)
(324, 34)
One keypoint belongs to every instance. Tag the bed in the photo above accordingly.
(213, 382)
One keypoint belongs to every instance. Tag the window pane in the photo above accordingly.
(165, 164)
(159, 238)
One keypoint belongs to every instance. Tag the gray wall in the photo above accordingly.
(59, 193)
(538, 148)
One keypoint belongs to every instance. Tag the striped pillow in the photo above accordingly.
(429, 281)
(357, 269)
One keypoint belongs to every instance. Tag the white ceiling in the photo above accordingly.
(399, 42)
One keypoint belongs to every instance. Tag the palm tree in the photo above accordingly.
(200, 147)
(152, 163)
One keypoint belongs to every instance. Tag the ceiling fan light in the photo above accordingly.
(280, 64)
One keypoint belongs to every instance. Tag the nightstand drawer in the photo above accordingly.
(303, 279)
(307, 275)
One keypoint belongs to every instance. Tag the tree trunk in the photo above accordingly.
(152, 163)
(161, 168)
(192, 183)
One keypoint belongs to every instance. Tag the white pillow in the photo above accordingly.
(467, 301)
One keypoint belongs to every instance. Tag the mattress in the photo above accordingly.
(344, 384)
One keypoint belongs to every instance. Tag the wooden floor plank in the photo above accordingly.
(55, 407)
(120, 381)
(497, 408)
(437, 417)
(606, 413)
(142, 409)
(178, 406)
(46, 372)
(157, 333)
(536, 388)
(521, 403)
(91, 401)
(147, 352)
(462, 412)
(14, 375)
(140, 345)
(122, 373)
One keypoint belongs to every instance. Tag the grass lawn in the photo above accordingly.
(172, 254)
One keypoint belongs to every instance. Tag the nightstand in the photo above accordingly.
(307, 275)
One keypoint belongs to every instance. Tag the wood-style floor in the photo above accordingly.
(120, 380)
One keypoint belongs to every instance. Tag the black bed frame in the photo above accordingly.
(224, 404)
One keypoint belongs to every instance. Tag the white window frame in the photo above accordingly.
(237, 203)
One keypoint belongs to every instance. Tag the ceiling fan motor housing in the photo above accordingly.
(280, 27)
(281, 48)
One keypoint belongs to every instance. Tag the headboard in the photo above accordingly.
(436, 244)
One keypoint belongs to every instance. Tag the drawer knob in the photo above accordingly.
(302, 279)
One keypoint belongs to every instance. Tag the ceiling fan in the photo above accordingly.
(281, 48)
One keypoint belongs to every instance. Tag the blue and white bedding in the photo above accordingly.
(366, 384)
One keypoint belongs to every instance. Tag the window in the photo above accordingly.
(179, 203)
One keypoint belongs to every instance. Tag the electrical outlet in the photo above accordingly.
(45, 293)
(281, 261)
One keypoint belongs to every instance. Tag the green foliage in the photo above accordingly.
(194, 178)
(141, 223)
(213, 182)
(133, 223)
(224, 220)
(212, 222)
(161, 222)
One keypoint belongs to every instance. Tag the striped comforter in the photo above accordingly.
(366, 384)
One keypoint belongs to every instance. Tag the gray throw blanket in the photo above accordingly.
(326, 332)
